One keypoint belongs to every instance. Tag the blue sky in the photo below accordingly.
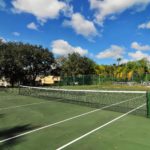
(100, 29)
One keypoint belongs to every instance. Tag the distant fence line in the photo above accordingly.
(97, 79)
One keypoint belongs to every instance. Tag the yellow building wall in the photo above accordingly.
(48, 79)
(4, 83)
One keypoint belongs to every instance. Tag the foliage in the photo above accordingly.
(133, 70)
(36, 61)
(119, 60)
(10, 64)
(24, 62)
(75, 64)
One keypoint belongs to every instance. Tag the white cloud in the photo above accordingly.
(139, 55)
(144, 25)
(105, 8)
(32, 26)
(41, 9)
(140, 47)
(81, 26)
(68, 11)
(61, 47)
(124, 61)
(112, 17)
(2, 4)
(113, 52)
(16, 33)
(3, 40)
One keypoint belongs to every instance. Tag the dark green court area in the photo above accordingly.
(24, 114)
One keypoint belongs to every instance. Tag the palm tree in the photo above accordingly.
(119, 60)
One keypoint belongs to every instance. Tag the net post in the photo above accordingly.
(148, 104)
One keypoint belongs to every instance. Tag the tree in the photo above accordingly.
(59, 61)
(75, 64)
(10, 64)
(87, 66)
(36, 61)
(119, 60)
(24, 62)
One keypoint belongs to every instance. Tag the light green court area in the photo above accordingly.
(22, 114)
(109, 86)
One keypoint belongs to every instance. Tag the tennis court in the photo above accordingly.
(43, 119)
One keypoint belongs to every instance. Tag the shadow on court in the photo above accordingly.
(7, 133)
(2, 115)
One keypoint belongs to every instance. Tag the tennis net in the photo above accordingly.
(119, 101)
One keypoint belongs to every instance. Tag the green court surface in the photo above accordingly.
(36, 117)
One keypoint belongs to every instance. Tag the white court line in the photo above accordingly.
(102, 126)
(25, 105)
(62, 121)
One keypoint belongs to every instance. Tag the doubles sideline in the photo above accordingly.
(100, 127)
(65, 120)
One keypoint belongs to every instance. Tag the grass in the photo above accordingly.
(109, 86)
(131, 132)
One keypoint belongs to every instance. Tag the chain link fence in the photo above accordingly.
(98, 79)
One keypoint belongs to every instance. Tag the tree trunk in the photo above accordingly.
(12, 83)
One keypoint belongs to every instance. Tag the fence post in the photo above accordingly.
(83, 79)
(148, 104)
(99, 79)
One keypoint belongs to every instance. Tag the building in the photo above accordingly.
(4, 82)
(47, 80)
